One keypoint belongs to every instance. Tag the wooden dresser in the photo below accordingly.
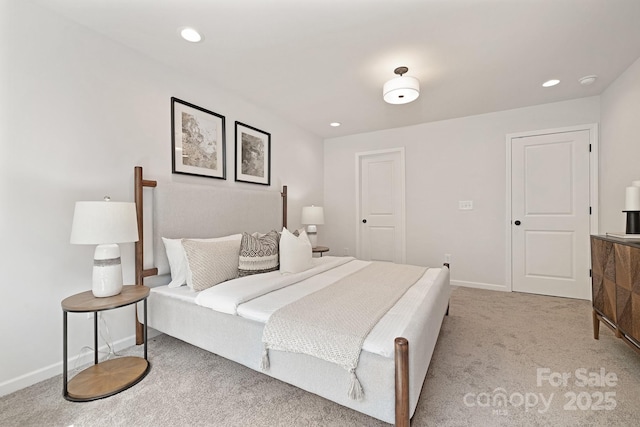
(615, 287)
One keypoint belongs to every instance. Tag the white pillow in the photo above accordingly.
(178, 259)
(210, 262)
(295, 252)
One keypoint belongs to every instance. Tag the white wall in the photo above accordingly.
(78, 113)
(446, 161)
(620, 146)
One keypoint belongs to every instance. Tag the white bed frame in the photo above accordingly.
(392, 386)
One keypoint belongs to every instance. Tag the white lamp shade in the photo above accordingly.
(312, 215)
(95, 223)
(401, 90)
(632, 199)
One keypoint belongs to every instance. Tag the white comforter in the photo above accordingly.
(257, 297)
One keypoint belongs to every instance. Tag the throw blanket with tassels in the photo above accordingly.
(332, 323)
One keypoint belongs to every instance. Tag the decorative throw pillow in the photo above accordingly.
(178, 259)
(210, 263)
(295, 252)
(258, 254)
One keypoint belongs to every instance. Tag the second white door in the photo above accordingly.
(380, 206)
(550, 214)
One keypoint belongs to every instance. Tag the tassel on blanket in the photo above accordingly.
(355, 389)
(264, 365)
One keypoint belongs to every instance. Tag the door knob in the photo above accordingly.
(517, 222)
(364, 221)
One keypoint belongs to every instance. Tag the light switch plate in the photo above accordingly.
(465, 205)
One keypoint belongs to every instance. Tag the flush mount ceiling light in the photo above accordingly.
(550, 83)
(588, 80)
(401, 90)
(335, 124)
(190, 34)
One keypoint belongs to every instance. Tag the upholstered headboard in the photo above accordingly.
(199, 211)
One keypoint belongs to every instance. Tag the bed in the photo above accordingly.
(232, 318)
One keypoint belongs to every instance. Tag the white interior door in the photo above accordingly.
(550, 214)
(380, 206)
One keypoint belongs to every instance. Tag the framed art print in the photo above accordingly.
(197, 141)
(253, 155)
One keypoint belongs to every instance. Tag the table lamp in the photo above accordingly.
(312, 216)
(632, 208)
(105, 224)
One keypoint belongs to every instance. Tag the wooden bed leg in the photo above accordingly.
(596, 325)
(402, 382)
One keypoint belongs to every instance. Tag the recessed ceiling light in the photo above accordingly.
(190, 34)
(587, 80)
(335, 124)
(550, 83)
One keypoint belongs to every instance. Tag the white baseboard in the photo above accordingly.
(479, 285)
(84, 358)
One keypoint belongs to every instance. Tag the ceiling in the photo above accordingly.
(313, 62)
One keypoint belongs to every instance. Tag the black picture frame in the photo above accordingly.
(252, 154)
(198, 141)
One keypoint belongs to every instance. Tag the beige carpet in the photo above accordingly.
(491, 343)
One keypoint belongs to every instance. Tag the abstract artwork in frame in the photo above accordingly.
(197, 141)
(253, 155)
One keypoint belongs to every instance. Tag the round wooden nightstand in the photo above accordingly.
(112, 376)
(320, 250)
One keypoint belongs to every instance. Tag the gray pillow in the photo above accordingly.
(210, 263)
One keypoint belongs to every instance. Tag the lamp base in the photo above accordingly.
(107, 271)
(633, 222)
(312, 234)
